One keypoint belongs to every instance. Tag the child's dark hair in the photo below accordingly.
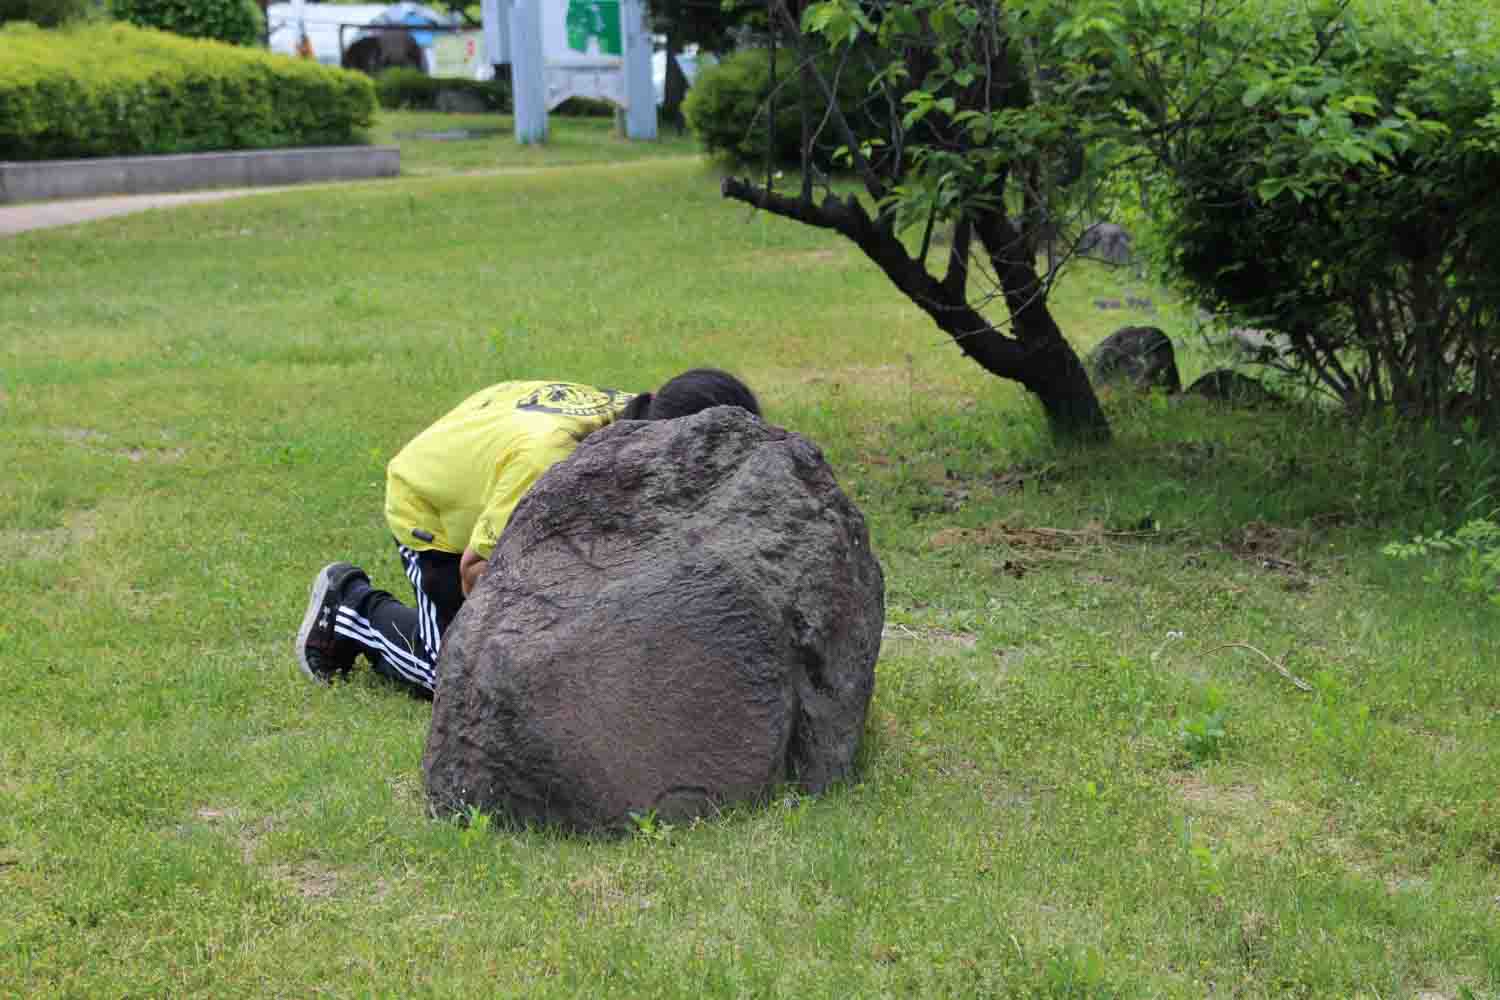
(691, 392)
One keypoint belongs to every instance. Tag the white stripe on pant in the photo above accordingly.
(402, 642)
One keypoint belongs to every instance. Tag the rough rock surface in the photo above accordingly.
(1138, 354)
(681, 615)
(1107, 242)
(1224, 385)
(460, 102)
(1258, 345)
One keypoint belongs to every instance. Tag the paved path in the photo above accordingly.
(43, 214)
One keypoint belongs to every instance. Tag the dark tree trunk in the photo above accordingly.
(675, 88)
(1034, 353)
(1053, 372)
(1067, 397)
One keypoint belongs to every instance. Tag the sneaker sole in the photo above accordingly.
(318, 591)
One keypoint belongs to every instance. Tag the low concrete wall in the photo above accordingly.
(47, 179)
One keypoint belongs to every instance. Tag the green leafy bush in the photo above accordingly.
(405, 88)
(45, 13)
(237, 22)
(1476, 547)
(1339, 189)
(402, 88)
(114, 90)
(724, 107)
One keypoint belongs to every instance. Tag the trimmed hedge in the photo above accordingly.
(118, 90)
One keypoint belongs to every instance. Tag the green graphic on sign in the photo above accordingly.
(596, 21)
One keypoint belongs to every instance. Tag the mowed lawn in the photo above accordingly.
(1084, 773)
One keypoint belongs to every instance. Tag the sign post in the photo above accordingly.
(495, 17)
(526, 72)
(559, 49)
(640, 95)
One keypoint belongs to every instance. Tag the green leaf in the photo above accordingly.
(903, 20)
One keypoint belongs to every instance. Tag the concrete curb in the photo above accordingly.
(48, 179)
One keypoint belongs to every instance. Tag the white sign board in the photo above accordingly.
(576, 48)
(458, 53)
(584, 51)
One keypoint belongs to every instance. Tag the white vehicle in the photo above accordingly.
(350, 36)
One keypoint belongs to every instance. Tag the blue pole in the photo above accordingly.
(527, 79)
(496, 20)
(640, 95)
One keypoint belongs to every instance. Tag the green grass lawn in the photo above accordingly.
(1070, 787)
(434, 143)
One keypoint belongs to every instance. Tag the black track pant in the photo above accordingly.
(402, 642)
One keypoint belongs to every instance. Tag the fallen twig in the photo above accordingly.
(1278, 666)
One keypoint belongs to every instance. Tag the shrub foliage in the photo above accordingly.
(46, 13)
(235, 21)
(113, 89)
(1344, 195)
(726, 108)
(402, 88)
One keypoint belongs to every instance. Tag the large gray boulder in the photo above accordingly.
(1139, 355)
(1107, 242)
(681, 615)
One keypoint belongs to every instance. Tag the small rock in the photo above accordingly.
(1224, 385)
(1107, 242)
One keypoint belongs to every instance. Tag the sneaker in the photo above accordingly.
(322, 654)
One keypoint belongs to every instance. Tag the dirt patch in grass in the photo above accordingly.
(1233, 799)
(765, 260)
(1273, 548)
(407, 788)
(1024, 548)
(1240, 813)
(1038, 540)
(597, 891)
(938, 638)
(884, 376)
(992, 664)
(79, 528)
(251, 835)
(999, 533)
(247, 835)
(309, 879)
(97, 441)
(152, 454)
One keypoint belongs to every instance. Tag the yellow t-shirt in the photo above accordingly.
(460, 479)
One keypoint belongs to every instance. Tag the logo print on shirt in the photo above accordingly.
(573, 400)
